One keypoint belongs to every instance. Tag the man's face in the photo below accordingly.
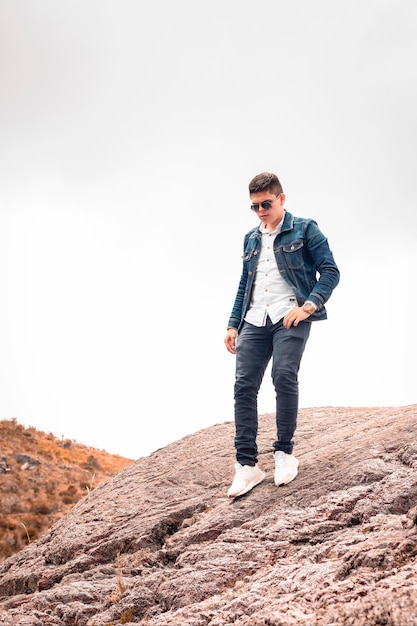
(272, 216)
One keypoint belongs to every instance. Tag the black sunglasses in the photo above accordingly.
(265, 205)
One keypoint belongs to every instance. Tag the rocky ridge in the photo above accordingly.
(161, 545)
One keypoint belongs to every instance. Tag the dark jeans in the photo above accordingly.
(254, 348)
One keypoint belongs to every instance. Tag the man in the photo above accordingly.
(288, 275)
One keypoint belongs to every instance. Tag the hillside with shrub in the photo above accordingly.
(41, 478)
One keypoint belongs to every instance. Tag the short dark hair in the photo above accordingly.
(265, 182)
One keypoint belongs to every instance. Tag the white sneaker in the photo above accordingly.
(286, 468)
(246, 478)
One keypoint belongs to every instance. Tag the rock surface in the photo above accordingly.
(161, 545)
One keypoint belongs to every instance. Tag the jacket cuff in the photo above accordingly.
(315, 301)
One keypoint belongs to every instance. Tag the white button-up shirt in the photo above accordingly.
(271, 295)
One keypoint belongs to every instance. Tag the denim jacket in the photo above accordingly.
(301, 252)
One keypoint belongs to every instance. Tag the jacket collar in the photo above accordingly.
(287, 224)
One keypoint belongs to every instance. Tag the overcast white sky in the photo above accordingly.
(129, 131)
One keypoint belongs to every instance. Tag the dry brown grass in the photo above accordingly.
(41, 478)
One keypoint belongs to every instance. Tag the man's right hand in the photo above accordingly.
(230, 340)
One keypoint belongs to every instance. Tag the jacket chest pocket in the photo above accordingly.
(293, 254)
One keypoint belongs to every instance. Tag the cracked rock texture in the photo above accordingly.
(161, 545)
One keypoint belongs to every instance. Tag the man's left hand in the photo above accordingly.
(296, 315)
